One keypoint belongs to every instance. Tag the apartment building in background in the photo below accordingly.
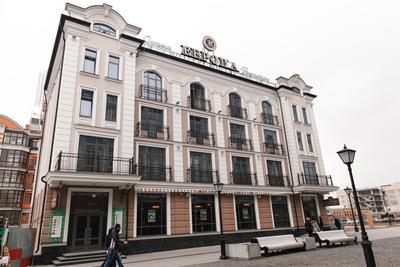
(137, 133)
(18, 156)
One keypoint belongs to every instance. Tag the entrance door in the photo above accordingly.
(310, 207)
(88, 220)
(88, 231)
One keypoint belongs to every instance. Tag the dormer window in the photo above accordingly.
(105, 29)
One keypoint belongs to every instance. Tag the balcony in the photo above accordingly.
(153, 93)
(154, 131)
(274, 149)
(237, 112)
(315, 180)
(202, 176)
(154, 173)
(70, 162)
(240, 144)
(269, 119)
(199, 103)
(243, 178)
(277, 180)
(200, 138)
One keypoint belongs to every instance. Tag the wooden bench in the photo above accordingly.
(278, 243)
(334, 237)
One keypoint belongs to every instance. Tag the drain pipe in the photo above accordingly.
(60, 27)
(290, 163)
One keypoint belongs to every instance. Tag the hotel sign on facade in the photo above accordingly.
(206, 56)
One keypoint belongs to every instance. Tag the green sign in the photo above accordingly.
(119, 216)
(56, 225)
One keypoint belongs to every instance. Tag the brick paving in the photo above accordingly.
(386, 253)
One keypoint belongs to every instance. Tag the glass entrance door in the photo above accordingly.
(88, 231)
(310, 207)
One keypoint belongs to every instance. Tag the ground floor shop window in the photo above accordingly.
(151, 214)
(310, 207)
(203, 213)
(245, 212)
(280, 211)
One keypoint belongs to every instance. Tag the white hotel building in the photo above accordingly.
(138, 134)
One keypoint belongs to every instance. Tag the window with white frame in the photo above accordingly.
(89, 64)
(86, 104)
(300, 141)
(113, 67)
(105, 29)
(295, 116)
(111, 108)
(310, 145)
(305, 119)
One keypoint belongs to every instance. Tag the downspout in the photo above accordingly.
(289, 161)
(52, 143)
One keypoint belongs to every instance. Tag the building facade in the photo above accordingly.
(18, 156)
(138, 134)
(392, 197)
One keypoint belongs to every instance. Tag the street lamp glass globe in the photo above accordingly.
(347, 190)
(218, 187)
(347, 155)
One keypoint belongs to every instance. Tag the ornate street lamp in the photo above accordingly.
(347, 190)
(218, 187)
(347, 156)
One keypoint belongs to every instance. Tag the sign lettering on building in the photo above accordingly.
(205, 55)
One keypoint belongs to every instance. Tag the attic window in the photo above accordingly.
(102, 28)
(296, 90)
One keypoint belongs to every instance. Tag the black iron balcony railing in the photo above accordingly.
(200, 138)
(237, 112)
(277, 180)
(154, 131)
(269, 119)
(240, 143)
(274, 149)
(195, 175)
(153, 93)
(244, 178)
(71, 162)
(154, 173)
(314, 179)
(199, 103)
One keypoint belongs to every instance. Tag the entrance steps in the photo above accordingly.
(75, 258)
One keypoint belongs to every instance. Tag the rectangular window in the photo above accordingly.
(295, 116)
(309, 141)
(152, 164)
(304, 115)
(245, 212)
(113, 67)
(111, 108)
(199, 131)
(310, 173)
(86, 103)
(95, 154)
(241, 170)
(152, 124)
(280, 211)
(90, 61)
(203, 213)
(200, 167)
(238, 137)
(275, 174)
(151, 214)
(300, 141)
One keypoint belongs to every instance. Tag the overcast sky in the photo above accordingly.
(349, 51)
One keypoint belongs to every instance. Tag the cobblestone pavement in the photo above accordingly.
(386, 253)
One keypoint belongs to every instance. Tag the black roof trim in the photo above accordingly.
(57, 43)
(131, 38)
(310, 95)
(206, 68)
(282, 86)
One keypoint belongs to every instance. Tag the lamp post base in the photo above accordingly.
(223, 251)
(368, 253)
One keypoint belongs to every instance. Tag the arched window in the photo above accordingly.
(102, 28)
(296, 90)
(152, 87)
(197, 97)
(235, 106)
(266, 114)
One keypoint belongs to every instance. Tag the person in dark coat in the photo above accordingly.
(309, 227)
(107, 246)
(115, 246)
(338, 224)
